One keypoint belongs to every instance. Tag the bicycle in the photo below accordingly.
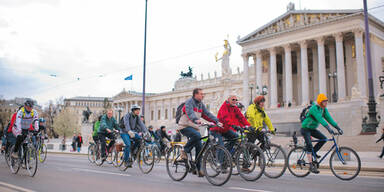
(344, 162)
(277, 161)
(247, 157)
(41, 148)
(27, 157)
(143, 154)
(216, 161)
(92, 148)
(109, 158)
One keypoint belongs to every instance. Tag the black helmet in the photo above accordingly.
(29, 103)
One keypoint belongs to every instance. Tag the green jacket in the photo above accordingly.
(317, 115)
(96, 128)
(106, 123)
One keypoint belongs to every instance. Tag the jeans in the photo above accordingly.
(193, 141)
(227, 135)
(9, 141)
(78, 149)
(127, 142)
(103, 143)
(307, 133)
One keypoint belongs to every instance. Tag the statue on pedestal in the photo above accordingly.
(86, 115)
(226, 70)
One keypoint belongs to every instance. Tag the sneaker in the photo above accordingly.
(129, 163)
(244, 169)
(183, 155)
(313, 169)
(380, 157)
(201, 174)
(15, 155)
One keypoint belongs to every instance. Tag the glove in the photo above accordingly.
(237, 128)
(339, 130)
(273, 132)
(251, 129)
(330, 130)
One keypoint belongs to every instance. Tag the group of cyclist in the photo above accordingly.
(230, 120)
(25, 120)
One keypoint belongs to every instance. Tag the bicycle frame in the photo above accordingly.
(331, 149)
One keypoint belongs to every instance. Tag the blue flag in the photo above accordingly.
(128, 78)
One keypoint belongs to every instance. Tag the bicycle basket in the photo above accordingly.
(119, 147)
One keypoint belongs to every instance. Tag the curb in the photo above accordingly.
(66, 153)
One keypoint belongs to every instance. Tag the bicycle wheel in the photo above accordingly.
(157, 153)
(98, 159)
(297, 163)
(345, 164)
(217, 165)
(250, 162)
(31, 160)
(177, 168)
(91, 155)
(7, 156)
(109, 159)
(146, 159)
(14, 163)
(42, 152)
(117, 157)
(276, 161)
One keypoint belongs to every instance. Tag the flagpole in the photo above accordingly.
(145, 50)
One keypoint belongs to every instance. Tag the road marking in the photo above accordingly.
(10, 186)
(102, 172)
(245, 189)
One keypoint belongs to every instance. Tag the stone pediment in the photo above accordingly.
(296, 19)
(126, 94)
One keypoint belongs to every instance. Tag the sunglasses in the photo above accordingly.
(234, 100)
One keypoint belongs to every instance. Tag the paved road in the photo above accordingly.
(62, 173)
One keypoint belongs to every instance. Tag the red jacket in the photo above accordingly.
(13, 119)
(230, 115)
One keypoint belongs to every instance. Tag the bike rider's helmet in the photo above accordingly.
(134, 107)
(29, 103)
(42, 120)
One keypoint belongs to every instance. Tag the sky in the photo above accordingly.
(54, 48)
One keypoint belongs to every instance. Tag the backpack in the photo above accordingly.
(179, 112)
(121, 123)
(304, 113)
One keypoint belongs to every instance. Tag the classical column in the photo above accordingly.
(314, 86)
(340, 67)
(259, 72)
(304, 73)
(322, 71)
(361, 78)
(273, 78)
(298, 63)
(331, 86)
(245, 80)
(288, 74)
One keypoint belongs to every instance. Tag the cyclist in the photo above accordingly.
(133, 129)
(41, 129)
(96, 127)
(9, 139)
(257, 118)
(193, 111)
(154, 136)
(230, 115)
(26, 120)
(108, 124)
(164, 139)
(317, 114)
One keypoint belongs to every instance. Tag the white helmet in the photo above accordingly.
(134, 107)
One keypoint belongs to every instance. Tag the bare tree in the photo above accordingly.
(65, 123)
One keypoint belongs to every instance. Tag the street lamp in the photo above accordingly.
(145, 56)
(334, 94)
(251, 85)
(369, 127)
(263, 91)
(119, 109)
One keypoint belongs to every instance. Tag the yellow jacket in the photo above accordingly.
(256, 119)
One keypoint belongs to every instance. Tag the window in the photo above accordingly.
(152, 115)
(166, 114)
(158, 115)
(173, 113)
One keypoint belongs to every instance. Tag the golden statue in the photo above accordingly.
(227, 51)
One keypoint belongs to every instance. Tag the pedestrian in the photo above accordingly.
(381, 138)
(79, 141)
(177, 136)
(74, 138)
(63, 144)
(164, 139)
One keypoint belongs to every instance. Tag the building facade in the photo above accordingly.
(291, 59)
